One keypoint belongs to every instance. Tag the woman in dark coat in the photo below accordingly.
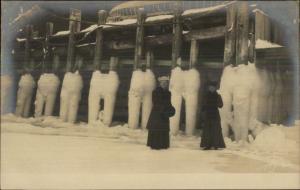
(212, 133)
(158, 123)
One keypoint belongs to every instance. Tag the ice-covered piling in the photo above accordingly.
(24, 96)
(103, 86)
(70, 96)
(184, 85)
(46, 94)
(140, 94)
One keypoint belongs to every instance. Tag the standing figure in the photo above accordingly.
(212, 133)
(158, 124)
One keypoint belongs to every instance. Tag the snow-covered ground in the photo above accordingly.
(48, 153)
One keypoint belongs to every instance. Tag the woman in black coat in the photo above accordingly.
(158, 123)
(212, 133)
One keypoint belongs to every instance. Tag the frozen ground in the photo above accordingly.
(47, 153)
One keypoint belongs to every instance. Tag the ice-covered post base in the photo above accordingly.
(70, 96)
(140, 94)
(184, 84)
(6, 88)
(24, 96)
(46, 94)
(103, 86)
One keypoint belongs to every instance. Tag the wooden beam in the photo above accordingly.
(194, 51)
(113, 63)
(75, 15)
(242, 33)
(203, 34)
(102, 15)
(230, 36)
(28, 36)
(177, 35)
(139, 43)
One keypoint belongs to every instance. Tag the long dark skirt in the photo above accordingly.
(158, 139)
(212, 135)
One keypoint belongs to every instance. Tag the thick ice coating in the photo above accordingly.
(24, 96)
(70, 96)
(103, 86)
(184, 85)
(140, 94)
(46, 94)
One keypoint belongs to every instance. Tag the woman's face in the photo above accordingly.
(164, 84)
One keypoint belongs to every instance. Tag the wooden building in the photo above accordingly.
(206, 38)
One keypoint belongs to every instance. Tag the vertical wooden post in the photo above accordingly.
(113, 63)
(139, 43)
(251, 55)
(149, 59)
(194, 51)
(230, 35)
(74, 26)
(177, 35)
(102, 15)
(28, 35)
(242, 33)
(47, 50)
(262, 26)
(56, 63)
(78, 62)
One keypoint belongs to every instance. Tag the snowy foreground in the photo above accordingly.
(47, 153)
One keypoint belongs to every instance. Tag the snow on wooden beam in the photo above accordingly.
(102, 15)
(139, 43)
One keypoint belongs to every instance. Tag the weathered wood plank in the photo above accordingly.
(113, 63)
(242, 33)
(139, 43)
(177, 35)
(194, 51)
(230, 36)
(73, 27)
(251, 55)
(28, 35)
(102, 15)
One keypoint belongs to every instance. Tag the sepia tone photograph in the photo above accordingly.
(150, 95)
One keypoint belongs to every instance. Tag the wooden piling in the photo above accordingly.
(139, 43)
(113, 63)
(102, 15)
(177, 35)
(28, 35)
(78, 63)
(56, 63)
(194, 51)
(251, 55)
(149, 59)
(242, 33)
(230, 35)
(47, 48)
(74, 26)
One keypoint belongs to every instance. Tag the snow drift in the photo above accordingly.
(24, 96)
(140, 94)
(103, 86)
(70, 96)
(46, 94)
(6, 87)
(184, 85)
